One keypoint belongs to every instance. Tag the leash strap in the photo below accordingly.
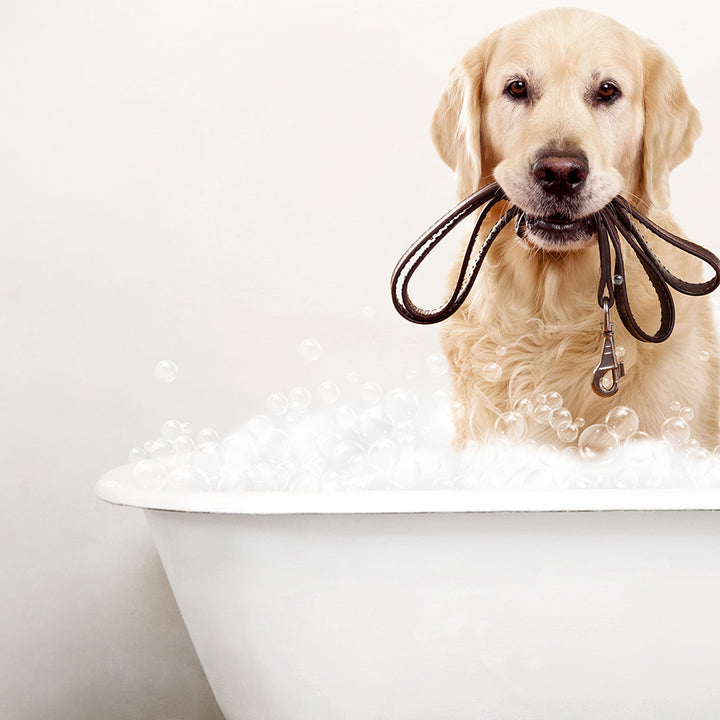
(613, 222)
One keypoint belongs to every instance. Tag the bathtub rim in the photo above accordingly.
(118, 488)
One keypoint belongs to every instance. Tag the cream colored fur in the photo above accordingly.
(542, 305)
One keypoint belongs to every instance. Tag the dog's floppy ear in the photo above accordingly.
(456, 124)
(672, 124)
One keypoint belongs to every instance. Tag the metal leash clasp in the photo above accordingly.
(608, 361)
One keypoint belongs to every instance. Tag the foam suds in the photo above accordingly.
(367, 439)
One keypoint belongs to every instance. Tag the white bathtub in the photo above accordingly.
(538, 605)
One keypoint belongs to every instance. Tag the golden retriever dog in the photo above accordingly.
(566, 110)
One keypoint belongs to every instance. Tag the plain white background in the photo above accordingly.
(208, 182)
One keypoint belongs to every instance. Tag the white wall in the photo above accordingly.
(207, 182)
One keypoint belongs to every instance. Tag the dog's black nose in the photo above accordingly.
(560, 175)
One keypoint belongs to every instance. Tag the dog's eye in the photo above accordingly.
(608, 92)
(517, 89)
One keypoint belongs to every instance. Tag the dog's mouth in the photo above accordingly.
(556, 232)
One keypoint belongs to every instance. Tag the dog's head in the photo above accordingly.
(566, 110)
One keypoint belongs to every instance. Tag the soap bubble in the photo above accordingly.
(675, 406)
(207, 436)
(620, 352)
(373, 424)
(274, 445)
(511, 427)
(411, 374)
(568, 433)
(595, 441)
(328, 392)
(350, 456)
(136, 454)
(553, 400)
(541, 414)
(206, 459)
(353, 377)
(560, 417)
(383, 455)
(184, 444)
(540, 399)
(171, 430)
(492, 372)
(436, 364)
(149, 474)
(309, 350)
(345, 417)
(687, 414)
(704, 356)
(369, 312)
(457, 411)
(524, 406)
(442, 399)
(580, 422)
(623, 421)
(371, 393)
(401, 405)
(259, 425)
(299, 398)
(276, 404)
(187, 479)
(166, 371)
(501, 350)
(238, 449)
(675, 431)
(186, 428)
(161, 448)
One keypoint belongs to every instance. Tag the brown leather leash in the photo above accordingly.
(613, 222)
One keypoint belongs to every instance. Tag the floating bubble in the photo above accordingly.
(299, 398)
(277, 404)
(568, 433)
(238, 449)
(541, 414)
(184, 444)
(620, 352)
(161, 448)
(436, 364)
(186, 428)
(501, 350)
(559, 417)
(149, 474)
(401, 405)
(371, 393)
(137, 454)
(261, 477)
(353, 377)
(704, 355)
(524, 406)
(492, 372)
(166, 371)
(411, 374)
(206, 459)
(623, 421)
(369, 312)
(511, 428)
(207, 436)
(350, 456)
(457, 411)
(309, 350)
(580, 422)
(595, 441)
(540, 399)
(383, 455)
(554, 400)
(328, 392)
(442, 399)
(675, 406)
(687, 414)
(171, 430)
(675, 431)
